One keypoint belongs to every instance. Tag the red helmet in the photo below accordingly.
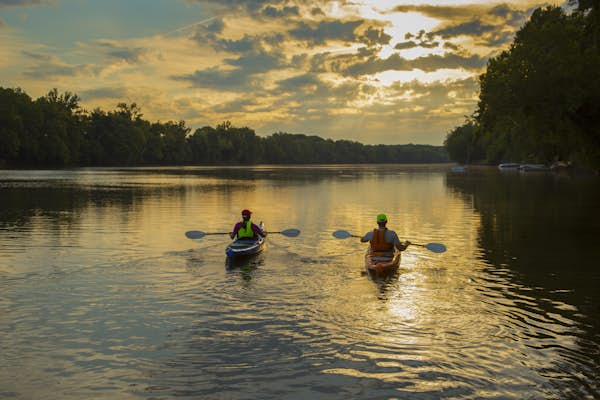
(246, 212)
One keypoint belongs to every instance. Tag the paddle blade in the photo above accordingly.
(292, 232)
(435, 247)
(341, 234)
(195, 234)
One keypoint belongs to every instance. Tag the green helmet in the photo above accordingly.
(381, 218)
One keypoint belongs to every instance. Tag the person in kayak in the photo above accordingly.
(383, 241)
(246, 229)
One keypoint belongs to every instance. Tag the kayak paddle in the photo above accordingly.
(292, 232)
(199, 234)
(435, 247)
(342, 234)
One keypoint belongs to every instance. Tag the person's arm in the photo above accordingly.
(236, 228)
(399, 245)
(258, 231)
(367, 237)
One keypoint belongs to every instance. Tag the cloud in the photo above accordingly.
(451, 46)
(215, 26)
(247, 43)
(404, 112)
(308, 92)
(257, 62)
(49, 66)
(39, 56)
(325, 31)
(237, 106)
(444, 13)
(406, 45)
(119, 51)
(285, 11)
(437, 101)
(499, 39)
(218, 79)
(237, 74)
(106, 92)
(429, 63)
(316, 11)
(375, 37)
(25, 3)
(514, 18)
(52, 70)
(303, 83)
(257, 8)
(450, 61)
(489, 26)
(374, 65)
(429, 45)
(470, 28)
(412, 44)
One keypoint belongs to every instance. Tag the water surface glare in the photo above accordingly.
(102, 295)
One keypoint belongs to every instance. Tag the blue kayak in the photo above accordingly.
(244, 247)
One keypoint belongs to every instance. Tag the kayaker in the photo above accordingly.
(383, 241)
(246, 229)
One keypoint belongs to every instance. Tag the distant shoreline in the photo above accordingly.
(234, 165)
(53, 131)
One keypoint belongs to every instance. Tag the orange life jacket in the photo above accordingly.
(379, 247)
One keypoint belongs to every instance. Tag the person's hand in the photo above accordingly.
(407, 243)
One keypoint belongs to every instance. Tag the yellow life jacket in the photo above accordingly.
(379, 247)
(245, 231)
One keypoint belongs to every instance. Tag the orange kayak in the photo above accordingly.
(381, 265)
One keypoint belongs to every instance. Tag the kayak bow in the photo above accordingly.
(244, 247)
(381, 265)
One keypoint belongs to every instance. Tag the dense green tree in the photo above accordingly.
(54, 131)
(118, 136)
(529, 93)
(540, 99)
(14, 106)
(60, 128)
(172, 141)
(461, 143)
(274, 149)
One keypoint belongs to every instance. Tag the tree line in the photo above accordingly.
(54, 131)
(539, 100)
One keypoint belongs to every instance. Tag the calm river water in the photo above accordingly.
(103, 297)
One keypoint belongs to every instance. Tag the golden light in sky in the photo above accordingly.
(293, 66)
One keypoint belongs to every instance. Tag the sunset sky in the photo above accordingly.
(386, 71)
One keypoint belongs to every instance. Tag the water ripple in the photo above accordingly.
(106, 298)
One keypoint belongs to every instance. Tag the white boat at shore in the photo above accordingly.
(533, 167)
(509, 166)
(560, 166)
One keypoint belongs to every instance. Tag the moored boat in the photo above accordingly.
(508, 166)
(381, 266)
(560, 166)
(533, 167)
